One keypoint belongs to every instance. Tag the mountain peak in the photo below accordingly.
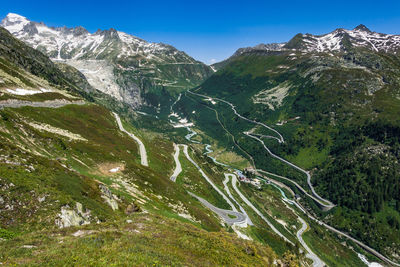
(362, 27)
(14, 17)
(79, 30)
(14, 22)
(343, 40)
(110, 34)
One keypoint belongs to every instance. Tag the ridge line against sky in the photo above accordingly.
(211, 31)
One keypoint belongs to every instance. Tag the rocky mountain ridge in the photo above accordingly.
(338, 40)
(126, 67)
(78, 43)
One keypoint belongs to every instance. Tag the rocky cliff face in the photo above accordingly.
(121, 65)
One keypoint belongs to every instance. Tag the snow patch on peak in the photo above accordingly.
(14, 22)
(12, 17)
(114, 62)
(360, 36)
(62, 43)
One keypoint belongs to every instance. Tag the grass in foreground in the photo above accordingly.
(147, 240)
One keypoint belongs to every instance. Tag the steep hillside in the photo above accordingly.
(69, 173)
(335, 99)
(86, 180)
(73, 178)
(118, 64)
(24, 66)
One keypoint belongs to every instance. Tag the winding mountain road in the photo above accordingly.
(178, 166)
(225, 182)
(229, 216)
(185, 151)
(280, 139)
(232, 217)
(248, 203)
(364, 246)
(293, 182)
(321, 200)
(324, 202)
(142, 149)
(317, 262)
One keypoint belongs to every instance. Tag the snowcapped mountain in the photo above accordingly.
(336, 41)
(341, 39)
(77, 43)
(113, 62)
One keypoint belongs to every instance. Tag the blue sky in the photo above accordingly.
(212, 30)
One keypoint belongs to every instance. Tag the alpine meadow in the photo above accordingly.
(118, 151)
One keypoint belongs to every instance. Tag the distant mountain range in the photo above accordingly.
(338, 40)
(124, 66)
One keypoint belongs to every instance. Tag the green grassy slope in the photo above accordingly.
(347, 132)
(148, 240)
(73, 166)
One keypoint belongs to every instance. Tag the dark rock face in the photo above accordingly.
(362, 27)
(30, 28)
(110, 34)
(79, 31)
